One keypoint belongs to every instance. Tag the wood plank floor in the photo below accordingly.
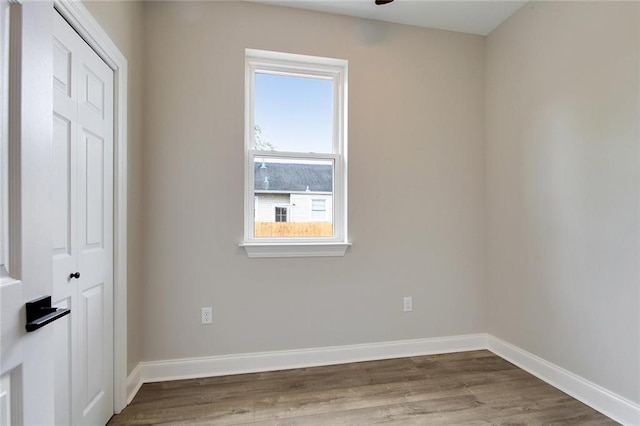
(470, 388)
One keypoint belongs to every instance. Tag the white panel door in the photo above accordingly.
(26, 359)
(82, 229)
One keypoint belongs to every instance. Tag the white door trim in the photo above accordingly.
(81, 20)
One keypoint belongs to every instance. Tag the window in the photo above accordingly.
(318, 210)
(281, 214)
(295, 154)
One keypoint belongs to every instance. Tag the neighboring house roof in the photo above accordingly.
(291, 177)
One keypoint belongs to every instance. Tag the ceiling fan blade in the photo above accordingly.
(380, 2)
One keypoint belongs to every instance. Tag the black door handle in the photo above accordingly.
(76, 275)
(40, 313)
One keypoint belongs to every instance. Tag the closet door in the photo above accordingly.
(82, 229)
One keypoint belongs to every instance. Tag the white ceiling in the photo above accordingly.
(475, 16)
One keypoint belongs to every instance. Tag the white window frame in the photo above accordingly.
(308, 66)
(4, 141)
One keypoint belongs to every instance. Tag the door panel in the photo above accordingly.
(61, 68)
(94, 195)
(63, 368)
(94, 93)
(84, 175)
(26, 359)
(93, 302)
(64, 198)
(64, 186)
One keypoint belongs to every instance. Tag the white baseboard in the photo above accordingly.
(614, 406)
(618, 408)
(134, 382)
(177, 369)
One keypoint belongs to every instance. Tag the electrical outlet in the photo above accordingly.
(408, 304)
(206, 315)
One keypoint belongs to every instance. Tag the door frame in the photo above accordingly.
(77, 15)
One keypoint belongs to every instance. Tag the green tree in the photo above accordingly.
(259, 143)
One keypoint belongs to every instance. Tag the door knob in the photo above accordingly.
(76, 275)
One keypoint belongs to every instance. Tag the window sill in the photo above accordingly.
(295, 249)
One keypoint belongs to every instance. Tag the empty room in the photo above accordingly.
(319, 212)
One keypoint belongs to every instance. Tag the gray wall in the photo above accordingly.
(123, 22)
(563, 187)
(416, 185)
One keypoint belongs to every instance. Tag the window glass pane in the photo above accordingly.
(318, 210)
(293, 113)
(286, 191)
(281, 214)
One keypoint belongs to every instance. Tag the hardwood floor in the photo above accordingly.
(471, 388)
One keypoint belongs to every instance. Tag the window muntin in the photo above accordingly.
(319, 80)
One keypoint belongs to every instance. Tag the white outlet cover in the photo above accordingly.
(206, 315)
(408, 304)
